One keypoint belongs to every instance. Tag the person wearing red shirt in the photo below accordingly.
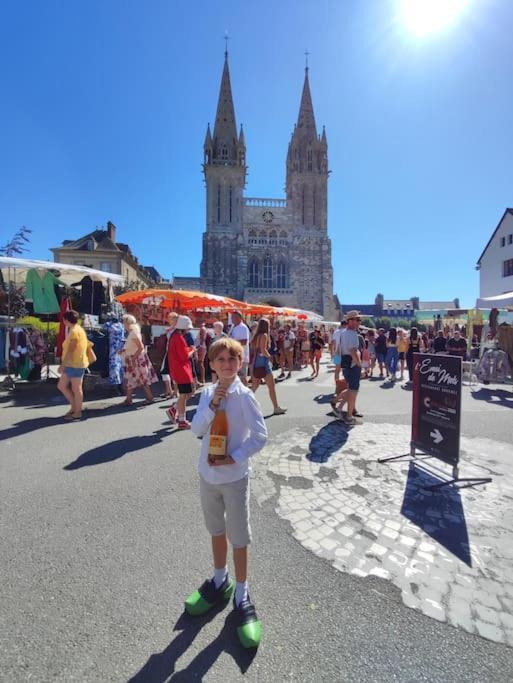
(179, 359)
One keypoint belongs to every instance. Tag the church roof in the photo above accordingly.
(306, 117)
(225, 128)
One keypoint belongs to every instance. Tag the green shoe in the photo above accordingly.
(208, 596)
(249, 626)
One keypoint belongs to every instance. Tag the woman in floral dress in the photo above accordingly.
(139, 371)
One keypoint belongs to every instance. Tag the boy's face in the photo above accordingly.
(226, 366)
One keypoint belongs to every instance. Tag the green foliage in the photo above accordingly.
(404, 323)
(383, 322)
(42, 326)
(368, 322)
(17, 243)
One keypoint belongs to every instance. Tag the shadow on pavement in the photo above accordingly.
(499, 397)
(32, 425)
(27, 426)
(324, 398)
(117, 449)
(439, 513)
(160, 667)
(328, 440)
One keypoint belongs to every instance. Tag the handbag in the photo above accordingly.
(260, 366)
(91, 356)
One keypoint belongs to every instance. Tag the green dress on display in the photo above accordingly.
(40, 289)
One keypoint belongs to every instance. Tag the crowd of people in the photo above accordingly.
(272, 351)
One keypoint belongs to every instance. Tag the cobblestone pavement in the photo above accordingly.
(450, 552)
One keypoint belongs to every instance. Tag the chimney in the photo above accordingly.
(111, 231)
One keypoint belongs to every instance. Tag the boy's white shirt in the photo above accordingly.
(247, 432)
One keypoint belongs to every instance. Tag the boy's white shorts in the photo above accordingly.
(226, 510)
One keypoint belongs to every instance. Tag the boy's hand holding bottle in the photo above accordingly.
(219, 429)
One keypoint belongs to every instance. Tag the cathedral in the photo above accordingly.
(265, 250)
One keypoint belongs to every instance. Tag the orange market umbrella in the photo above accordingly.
(180, 299)
(299, 313)
(258, 309)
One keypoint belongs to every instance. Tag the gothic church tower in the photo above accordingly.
(307, 196)
(267, 249)
(225, 177)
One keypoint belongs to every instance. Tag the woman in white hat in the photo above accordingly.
(139, 371)
(179, 360)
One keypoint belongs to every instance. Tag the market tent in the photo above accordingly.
(180, 299)
(298, 313)
(259, 309)
(68, 272)
(499, 301)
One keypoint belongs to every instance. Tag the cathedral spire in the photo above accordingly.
(208, 138)
(306, 118)
(225, 129)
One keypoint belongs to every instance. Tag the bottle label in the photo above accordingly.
(217, 445)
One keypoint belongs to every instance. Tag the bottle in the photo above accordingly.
(217, 449)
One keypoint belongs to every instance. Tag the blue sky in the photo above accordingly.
(105, 105)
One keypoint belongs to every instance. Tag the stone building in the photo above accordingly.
(262, 249)
(100, 250)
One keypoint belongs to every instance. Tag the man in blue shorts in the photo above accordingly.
(351, 362)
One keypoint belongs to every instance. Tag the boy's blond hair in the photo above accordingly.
(225, 344)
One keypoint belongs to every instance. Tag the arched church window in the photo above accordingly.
(253, 273)
(224, 152)
(309, 159)
(281, 275)
(283, 234)
(268, 273)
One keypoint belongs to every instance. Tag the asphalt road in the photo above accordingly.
(101, 538)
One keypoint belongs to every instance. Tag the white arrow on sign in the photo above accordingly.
(436, 436)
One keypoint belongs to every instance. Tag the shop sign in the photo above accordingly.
(436, 415)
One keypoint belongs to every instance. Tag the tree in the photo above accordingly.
(18, 243)
(15, 299)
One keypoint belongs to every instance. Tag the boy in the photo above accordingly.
(224, 487)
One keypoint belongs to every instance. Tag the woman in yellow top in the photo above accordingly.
(402, 347)
(74, 363)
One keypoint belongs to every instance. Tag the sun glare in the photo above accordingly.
(423, 17)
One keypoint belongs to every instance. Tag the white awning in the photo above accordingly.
(499, 297)
(499, 301)
(68, 273)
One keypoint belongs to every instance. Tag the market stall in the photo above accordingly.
(48, 286)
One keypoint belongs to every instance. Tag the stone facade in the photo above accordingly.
(262, 249)
(100, 250)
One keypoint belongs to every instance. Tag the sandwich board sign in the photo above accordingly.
(436, 415)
